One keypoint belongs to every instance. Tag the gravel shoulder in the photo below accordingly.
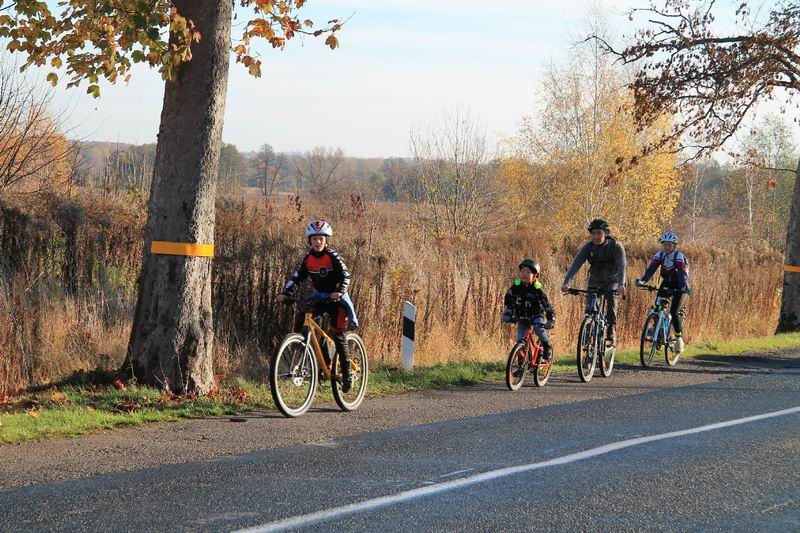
(147, 446)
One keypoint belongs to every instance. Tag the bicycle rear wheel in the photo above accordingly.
(542, 371)
(293, 376)
(586, 356)
(607, 361)
(670, 355)
(648, 343)
(359, 371)
(516, 366)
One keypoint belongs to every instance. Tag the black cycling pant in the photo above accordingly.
(674, 308)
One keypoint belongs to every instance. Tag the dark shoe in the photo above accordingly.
(347, 383)
(518, 373)
(611, 337)
(547, 351)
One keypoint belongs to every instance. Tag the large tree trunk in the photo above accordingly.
(790, 299)
(172, 338)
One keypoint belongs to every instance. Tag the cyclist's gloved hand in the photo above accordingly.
(506, 316)
(550, 324)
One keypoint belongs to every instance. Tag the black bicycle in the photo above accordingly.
(592, 343)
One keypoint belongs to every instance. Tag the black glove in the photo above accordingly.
(550, 324)
(506, 316)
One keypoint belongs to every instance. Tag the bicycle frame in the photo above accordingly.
(664, 320)
(534, 348)
(596, 310)
(312, 341)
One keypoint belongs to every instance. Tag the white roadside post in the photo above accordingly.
(409, 325)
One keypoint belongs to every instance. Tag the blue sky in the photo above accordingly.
(400, 64)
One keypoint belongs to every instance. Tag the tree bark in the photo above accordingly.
(790, 298)
(172, 338)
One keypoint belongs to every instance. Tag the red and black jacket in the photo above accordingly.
(326, 269)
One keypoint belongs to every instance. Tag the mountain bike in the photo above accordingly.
(526, 356)
(592, 343)
(301, 361)
(656, 330)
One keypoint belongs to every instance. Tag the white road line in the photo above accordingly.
(421, 492)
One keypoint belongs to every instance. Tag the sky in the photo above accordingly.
(400, 65)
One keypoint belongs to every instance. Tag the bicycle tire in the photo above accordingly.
(667, 351)
(517, 366)
(586, 362)
(359, 368)
(292, 367)
(647, 344)
(542, 371)
(607, 361)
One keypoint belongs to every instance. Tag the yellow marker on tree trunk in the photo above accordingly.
(182, 248)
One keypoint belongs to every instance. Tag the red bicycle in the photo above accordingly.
(525, 357)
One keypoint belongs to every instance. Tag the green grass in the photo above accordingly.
(76, 410)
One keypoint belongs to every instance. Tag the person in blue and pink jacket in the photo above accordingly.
(674, 276)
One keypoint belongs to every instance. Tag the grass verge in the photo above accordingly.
(76, 410)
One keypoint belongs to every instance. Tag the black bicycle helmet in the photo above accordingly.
(598, 223)
(531, 264)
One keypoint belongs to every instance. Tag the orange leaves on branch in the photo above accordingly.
(102, 40)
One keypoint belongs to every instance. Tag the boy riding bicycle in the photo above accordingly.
(527, 304)
(674, 278)
(329, 275)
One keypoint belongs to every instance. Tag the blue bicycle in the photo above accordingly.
(656, 331)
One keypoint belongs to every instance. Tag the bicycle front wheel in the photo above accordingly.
(587, 350)
(293, 376)
(359, 371)
(648, 344)
(516, 366)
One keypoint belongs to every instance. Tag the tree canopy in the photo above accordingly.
(95, 40)
(709, 76)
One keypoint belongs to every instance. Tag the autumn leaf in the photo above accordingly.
(255, 69)
(119, 384)
(53, 79)
(332, 42)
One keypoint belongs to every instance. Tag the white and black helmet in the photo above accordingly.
(319, 227)
(668, 236)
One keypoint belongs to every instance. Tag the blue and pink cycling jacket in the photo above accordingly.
(674, 269)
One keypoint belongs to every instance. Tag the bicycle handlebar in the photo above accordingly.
(320, 296)
(663, 290)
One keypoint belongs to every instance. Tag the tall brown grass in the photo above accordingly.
(68, 272)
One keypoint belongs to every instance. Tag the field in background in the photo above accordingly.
(69, 272)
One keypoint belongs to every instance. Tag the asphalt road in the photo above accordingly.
(579, 465)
